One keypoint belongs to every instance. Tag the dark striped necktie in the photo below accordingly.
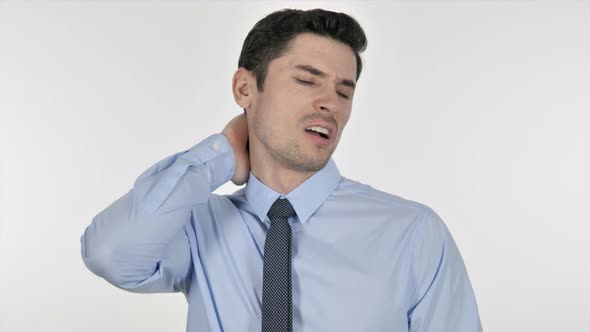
(277, 297)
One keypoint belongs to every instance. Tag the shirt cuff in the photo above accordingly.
(218, 156)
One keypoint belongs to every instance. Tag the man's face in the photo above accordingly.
(279, 117)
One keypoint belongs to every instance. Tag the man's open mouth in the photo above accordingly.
(318, 131)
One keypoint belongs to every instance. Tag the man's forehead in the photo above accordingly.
(319, 52)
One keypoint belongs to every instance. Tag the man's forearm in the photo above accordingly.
(127, 242)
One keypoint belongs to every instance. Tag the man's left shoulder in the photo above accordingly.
(356, 194)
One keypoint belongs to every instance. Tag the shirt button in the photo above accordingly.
(215, 146)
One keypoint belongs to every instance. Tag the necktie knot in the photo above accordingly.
(281, 208)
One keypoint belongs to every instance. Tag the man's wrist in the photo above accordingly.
(216, 152)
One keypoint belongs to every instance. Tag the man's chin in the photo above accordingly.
(311, 160)
(313, 165)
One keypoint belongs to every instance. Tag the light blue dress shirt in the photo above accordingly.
(363, 259)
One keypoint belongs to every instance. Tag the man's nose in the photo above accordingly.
(328, 100)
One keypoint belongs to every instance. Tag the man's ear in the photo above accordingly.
(244, 88)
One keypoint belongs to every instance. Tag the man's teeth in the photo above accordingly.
(319, 130)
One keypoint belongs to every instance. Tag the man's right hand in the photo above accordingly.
(236, 132)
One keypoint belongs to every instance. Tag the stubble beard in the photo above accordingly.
(290, 153)
(292, 156)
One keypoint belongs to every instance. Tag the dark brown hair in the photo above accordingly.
(271, 36)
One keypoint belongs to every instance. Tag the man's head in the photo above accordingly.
(297, 70)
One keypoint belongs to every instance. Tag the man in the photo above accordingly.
(299, 247)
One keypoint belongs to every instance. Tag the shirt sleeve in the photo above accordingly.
(443, 299)
(139, 242)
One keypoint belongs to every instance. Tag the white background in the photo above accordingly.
(479, 109)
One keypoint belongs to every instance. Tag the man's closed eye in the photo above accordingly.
(312, 83)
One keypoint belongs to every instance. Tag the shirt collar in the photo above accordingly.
(306, 198)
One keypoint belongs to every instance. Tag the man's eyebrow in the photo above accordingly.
(314, 71)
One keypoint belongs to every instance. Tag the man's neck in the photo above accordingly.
(274, 175)
(279, 179)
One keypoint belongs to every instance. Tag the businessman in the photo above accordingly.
(299, 247)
